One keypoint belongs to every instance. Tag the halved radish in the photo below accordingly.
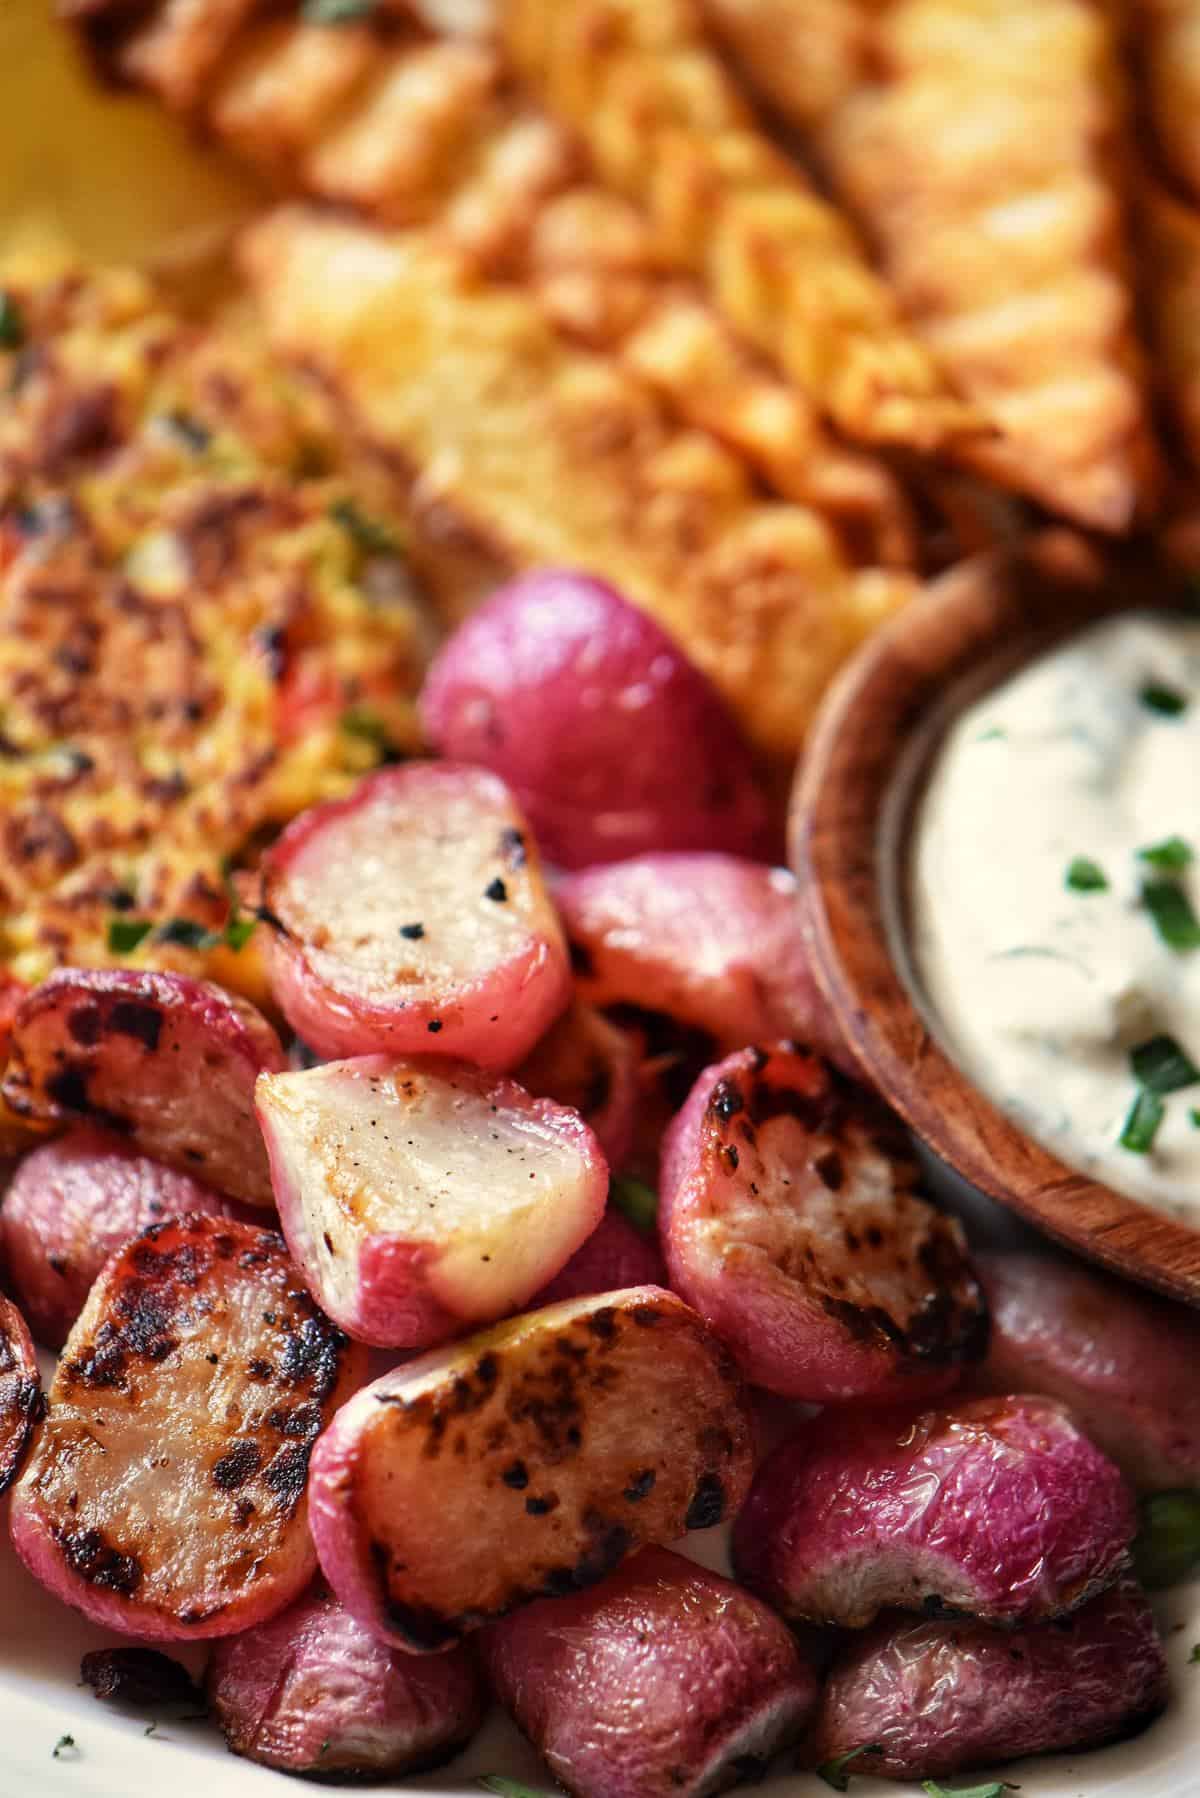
(167, 1062)
(590, 1063)
(20, 1392)
(166, 1496)
(424, 1197)
(711, 940)
(412, 918)
(791, 1218)
(71, 1203)
(526, 1463)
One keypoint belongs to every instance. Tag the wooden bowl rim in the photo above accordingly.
(854, 790)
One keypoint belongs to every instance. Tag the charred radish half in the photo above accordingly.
(164, 1061)
(20, 1392)
(311, 1692)
(526, 1463)
(916, 1700)
(791, 1219)
(412, 918)
(999, 1509)
(166, 1495)
(666, 1681)
(423, 1198)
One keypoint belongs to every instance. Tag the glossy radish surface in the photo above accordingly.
(999, 1508)
(614, 1255)
(613, 742)
(712, 940)
(933, 1699)
(791, 1218)
(587, 1062)
(166, 1494)
(526, 1462)
(665, 1679)
(72, 1202)
(423, 1198)
(20, 1392)
(311, 1692)
(412, 918)
(164, 1061)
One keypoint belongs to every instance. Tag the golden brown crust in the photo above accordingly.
(1168, 42)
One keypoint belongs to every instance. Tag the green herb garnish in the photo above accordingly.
(335, 12)
(367, 534)
(1171, 910)
(187, 933)
(361, 721)
(995, 1788)
(124, 935)
(1172, 855)
(1168, 702)
(1141, 1126)
(1194, 1114)
(1161, 1066)
(64, 1745)
(238, 931)
(12, 324)
(834, 1772)
(636, 1201)
(1194, 1657)
(510, 1788)
(1086, 876)
(1166, 1548)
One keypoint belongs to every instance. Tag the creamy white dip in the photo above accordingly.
(1040, 980)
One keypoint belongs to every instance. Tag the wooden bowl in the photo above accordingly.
(851, 811)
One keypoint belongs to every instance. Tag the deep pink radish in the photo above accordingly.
(411, 918)
(614, 744)
(424, 1198)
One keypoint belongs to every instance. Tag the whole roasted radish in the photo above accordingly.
(1123, 1360)
(71, 1203)
(999, 1509)
(20, 1392)
(614, 744)
(914, 1700)
(664, 1680)
(589, 1063)
(423, 1198)
(412, 918)
(791, 1219)
(614, 1255)
(526, 1462)
(311, 1692)
(711, 940)
(165, 1061)
(166, 1494)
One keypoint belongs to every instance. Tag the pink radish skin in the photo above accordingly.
(526, 1462)
(934, 1699)
(167, 1062)
(165, 1497)
(790, 1217)
(857, 1512)
(312, 1692)
(711, 940)
(591, 1064)
(411, 918)
(72, 1202)
(424, 1198)
(20, 1392)
(1122, 1360)
(614, 744)
(664, 1682)
(614, 1255)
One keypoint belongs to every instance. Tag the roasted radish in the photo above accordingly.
(71, 1203)
(20, 1392)
(999, 1509)
(919, 1700)
(590, 1064)
(423, 1198)
(614, 744)
(167, 1062)
(664, 1682)
(791, 1219)
(712, 941)
(1122, 1360)
(166, 1494)
(614, 1255)
(412, 918)
(526, 1463)
(311, 1692)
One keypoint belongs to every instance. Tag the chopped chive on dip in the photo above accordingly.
(1142, 1124)
(1161, 1066)
(1168, 702)
(1086, 876)
(1172, 855)
(510, 1788)
(1173, 914)
(12, 325)
(992, 1788)
(834, 1772)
